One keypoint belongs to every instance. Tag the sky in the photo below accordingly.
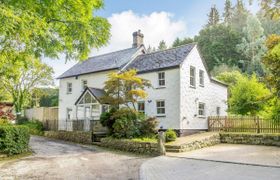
(157, 19)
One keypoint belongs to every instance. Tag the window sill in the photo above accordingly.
(68, 93)
(193, 87)
(160, 87)
(160, 115)
(202, 117)
(201, 85)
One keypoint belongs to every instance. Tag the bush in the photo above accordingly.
(170, 135)
(4, 122)
(148, 127)
(35, 127)
(21, 120)
(107, 119)
(14, 139)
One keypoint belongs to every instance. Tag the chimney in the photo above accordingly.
(137, 39)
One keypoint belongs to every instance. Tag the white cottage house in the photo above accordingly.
(182, 96)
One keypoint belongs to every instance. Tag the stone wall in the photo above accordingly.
(73, 136)
(249, 138)
(149, 148)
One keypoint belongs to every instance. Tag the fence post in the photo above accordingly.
(258, 125)
(161, 140)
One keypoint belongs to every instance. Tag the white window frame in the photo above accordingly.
(84, 84)
(161, 79)
(218, 110)
(160, 107)
(192, 77)
(201, 78)
(69, 88)
(200, 109)
(138, 106)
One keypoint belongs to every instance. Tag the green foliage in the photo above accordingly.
(248, 96)
(227, 12)
(213, 17)
(271, 8)
(128, 123)
(162, 45)
(19, 78)
(223, 68)
(180, 42)
(14, 139)
(124, 88)
(272, 62)
(44, 97)
(107, 119)
(230, 78)
(35, 127)
(47, 28)
(239, 16)
(218, 45)
(253, 46)
(4, 122)
(170, 135)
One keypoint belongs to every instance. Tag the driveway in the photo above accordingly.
(54, 159)
(224, 161)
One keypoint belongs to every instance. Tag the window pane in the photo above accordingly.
(141, 106)
(87, 98)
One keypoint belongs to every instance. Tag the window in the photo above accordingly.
(105, 108)
(161, 79)
(69, 88)
(84, 84)
(141, 106)
(161, 107)
(201, 78)
(68, 113)
(218, 111)
(192, 76)
(95, 108)
(201, 109)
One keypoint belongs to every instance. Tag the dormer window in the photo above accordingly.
(161, 79)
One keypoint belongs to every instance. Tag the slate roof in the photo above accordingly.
(97, 93)
(113, 60)
(161, 59)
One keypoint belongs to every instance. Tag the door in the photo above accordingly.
(87, 118)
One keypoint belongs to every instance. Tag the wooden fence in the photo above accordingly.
(242, 124)
(47, 115)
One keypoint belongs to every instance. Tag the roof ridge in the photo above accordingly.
(177, 47)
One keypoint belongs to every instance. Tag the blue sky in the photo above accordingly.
(158, 20)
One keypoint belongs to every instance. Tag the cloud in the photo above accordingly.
(156, 26)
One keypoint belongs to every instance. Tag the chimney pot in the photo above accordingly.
(137, 39)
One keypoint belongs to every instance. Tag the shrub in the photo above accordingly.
(21, 120)
(107, 119)
(14, 139)
(170, 135)
(35, 127)
(148, 127)
(4, 122)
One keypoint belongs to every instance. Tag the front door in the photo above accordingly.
(87, 118)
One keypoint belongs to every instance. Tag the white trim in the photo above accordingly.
(163, 107)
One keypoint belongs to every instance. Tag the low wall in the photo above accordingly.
(250, 138)
(73, 136)
(130, 146)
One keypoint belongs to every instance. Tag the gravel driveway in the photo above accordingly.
(54, 159)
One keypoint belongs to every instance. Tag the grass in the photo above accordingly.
(145, 139)
(16, 156)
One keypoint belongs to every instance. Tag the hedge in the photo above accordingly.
(14, 139)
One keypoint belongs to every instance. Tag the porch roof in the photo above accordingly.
(97, 93)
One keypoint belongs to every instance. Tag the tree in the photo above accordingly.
(44, 97)
(271, 8)
(227, 12)
(230, 78)
(239, 16)
(253, 46)
(218, 45)
(248, 96)
(272, 62)
(20, 77)
(213, 17)
(124, 89)
(179, 42)
(269, 25)
(48, 28)
(162, 45)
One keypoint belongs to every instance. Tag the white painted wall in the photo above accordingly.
(95, 80)
(211, 94)
(170, 93)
